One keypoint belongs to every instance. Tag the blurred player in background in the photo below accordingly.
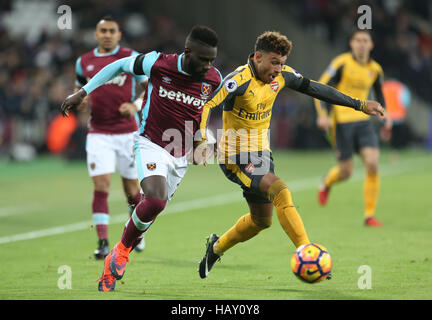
(354, 73)
(244, 154)
(112, 123)
(178, 87)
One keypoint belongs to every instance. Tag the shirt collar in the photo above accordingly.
(97, 54)
(369, 60)
(179, 64)
(252, 66)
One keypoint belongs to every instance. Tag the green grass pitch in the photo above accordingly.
(45, 223)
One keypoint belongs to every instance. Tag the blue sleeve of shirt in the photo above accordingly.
(148, 62)
(122, 65)
(78, 67)
(109, 72)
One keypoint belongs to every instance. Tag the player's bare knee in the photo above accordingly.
(130, 185)
(262, 222)
(346, 173)
(266, 181)
(131, 191)
(155, 187)
(101, 184)
(372, 168)
(158, 194)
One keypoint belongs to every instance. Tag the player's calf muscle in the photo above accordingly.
(102, 182)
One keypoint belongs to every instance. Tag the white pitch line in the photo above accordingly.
(12, 210)
(217, 200)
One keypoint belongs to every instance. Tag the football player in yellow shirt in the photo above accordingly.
(244, 154)
(353, 73)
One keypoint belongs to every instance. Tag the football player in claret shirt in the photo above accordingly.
(244, 154)
(111, 126)
(178, 88)
(353, 73)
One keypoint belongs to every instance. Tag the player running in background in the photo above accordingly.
(247, 96)
(353, 73)
(178, 87)
(111, 127)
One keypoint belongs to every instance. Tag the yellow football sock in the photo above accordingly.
(332, 177)
(243, 230)
(287, 214)
(370, 193)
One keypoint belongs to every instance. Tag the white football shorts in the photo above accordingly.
(108, 153)
(153, 160)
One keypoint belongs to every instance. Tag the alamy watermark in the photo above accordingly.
(65, 280)
(64, 22)
(365, 20)
(365, 280)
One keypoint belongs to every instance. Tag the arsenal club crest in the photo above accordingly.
(250, 168)
(206, 89)
(274, 86)
(151, 166)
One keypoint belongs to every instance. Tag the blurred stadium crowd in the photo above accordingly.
(37, 69)
(402, 30)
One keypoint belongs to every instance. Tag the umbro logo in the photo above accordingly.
(166, 79)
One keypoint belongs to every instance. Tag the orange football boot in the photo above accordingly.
(107, 281)
(119, 258)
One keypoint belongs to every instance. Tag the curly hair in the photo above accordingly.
(273, 41)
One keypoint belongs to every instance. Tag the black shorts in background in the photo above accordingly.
(353, 136)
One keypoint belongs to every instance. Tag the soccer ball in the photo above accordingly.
(311, 263)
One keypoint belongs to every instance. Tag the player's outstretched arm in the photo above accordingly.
(106, 74)
(296, 81)
(333, 96)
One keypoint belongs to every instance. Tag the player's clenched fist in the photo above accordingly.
(72, 102)
(374, 108)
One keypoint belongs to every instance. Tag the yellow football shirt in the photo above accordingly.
(247, 106)
(354, 79)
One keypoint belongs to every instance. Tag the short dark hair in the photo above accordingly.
(355, 31)
(109, 18)
(273, 41)
(204, 35)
